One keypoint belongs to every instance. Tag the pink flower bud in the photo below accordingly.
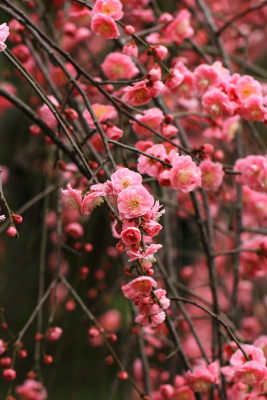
(12, 231)
(9, 374)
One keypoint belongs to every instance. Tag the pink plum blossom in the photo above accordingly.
(102, 113)
(4, 33)
(185, 175)
(31, 390)
(104, 26)
(134, 201)
(112, 8)
(211, 175)
(119, 66)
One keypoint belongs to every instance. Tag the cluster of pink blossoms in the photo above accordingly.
(138, 214)
(253, 171)
(183, 173)
(104, 15)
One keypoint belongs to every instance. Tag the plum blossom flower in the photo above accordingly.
(112, 8)
(185, 175)
(4, 33)
(253, 172)
(141, 285)
(211, 175)
(119, 66)
(151, 320)
(74, 198)
(147, 254)
(217, 103)
(2, 218)
(134, 201)
(201, 379)
(153, 117)
(105, 26)
(123, 178)
(102, 113)
(31, 390)
(180, 28)
(137, 95)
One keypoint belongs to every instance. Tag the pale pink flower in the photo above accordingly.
(104, 26)
(155, 88)
(254, 265)
(201, 379)
(119, 66)
(112, 8)
(134, 201)
(185, 175)
(205, 76)
(159, 51)
(151, 166)
(217, 103)
(147, 254)
(247, 86)
(130, 49)
(254, 353)
(151, 320)
(253, 172)
(261, 342)
(123, 178)
(2, 218)
(253, 109)
(102, 113)
(211, 175)
(74, 198)
(4, 33)
(180, 28)
(250, 373)
(137, 95)
(138, 286)
(230, 127)
(31, 390)
(152, 117)
(46, 114)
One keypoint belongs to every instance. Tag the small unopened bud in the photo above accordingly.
(9, 374)
(122, 376)
(11, 231)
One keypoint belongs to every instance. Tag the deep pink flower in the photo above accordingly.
(134, 201)
(119, 66)
(130, 234)
(253, 109)
(137, 95)
(104, 26)
(247, 86)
